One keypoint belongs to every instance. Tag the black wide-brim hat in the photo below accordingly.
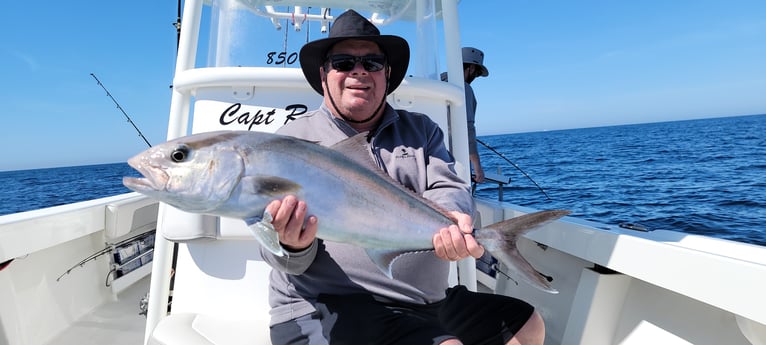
(351, 25)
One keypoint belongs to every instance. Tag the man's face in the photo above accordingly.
(358, 92)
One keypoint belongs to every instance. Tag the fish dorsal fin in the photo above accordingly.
(357, 148)
(384, 258)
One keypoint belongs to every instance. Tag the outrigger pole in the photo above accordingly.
(122, 110)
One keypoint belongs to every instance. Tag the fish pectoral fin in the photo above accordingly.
(268, 185)
(265, 233)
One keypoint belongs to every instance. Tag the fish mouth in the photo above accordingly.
(139, 184)
(154, 178)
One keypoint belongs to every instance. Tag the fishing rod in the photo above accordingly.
(90, 257)
(110, 248)
(514, 165)
(122, 110)
(177, 25)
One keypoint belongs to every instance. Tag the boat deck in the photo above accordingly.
(115, 323)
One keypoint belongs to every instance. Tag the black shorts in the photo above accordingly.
(474, 318)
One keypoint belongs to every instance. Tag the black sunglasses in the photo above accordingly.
(345, 62)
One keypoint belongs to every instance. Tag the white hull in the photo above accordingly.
(616, 286)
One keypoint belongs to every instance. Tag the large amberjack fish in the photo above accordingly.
(237, 173)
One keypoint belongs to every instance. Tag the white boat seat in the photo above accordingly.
(221, 291)
(198, 329)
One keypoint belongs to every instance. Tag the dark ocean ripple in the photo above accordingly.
(698, 176)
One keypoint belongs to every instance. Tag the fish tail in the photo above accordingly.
(500, 240)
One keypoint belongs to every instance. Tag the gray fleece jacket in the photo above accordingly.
(410, 148)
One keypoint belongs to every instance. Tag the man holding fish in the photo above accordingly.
(330, 292)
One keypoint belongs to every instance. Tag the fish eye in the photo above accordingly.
(179, 154)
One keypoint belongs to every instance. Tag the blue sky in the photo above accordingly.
(553, 65)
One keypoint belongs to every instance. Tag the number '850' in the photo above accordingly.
(281, 57)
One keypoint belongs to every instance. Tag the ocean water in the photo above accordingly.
(25, 190)
(698, 176)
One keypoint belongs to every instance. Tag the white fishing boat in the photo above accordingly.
(237, 69)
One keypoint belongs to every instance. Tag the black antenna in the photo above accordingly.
(514, 165)
(123, 111)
